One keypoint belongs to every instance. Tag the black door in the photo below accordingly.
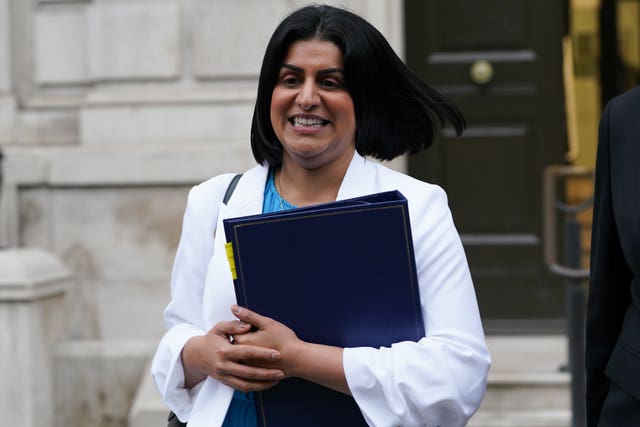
(501, 62)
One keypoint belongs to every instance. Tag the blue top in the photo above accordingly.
(242, 410)
(273, 202)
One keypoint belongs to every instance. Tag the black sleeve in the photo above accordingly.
(609, 294)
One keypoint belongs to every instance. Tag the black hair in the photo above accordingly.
(395, 111)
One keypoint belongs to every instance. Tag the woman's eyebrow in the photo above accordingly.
(331, 70)
(325, 71)
(293, 68)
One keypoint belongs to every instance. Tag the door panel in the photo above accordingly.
(493, 173)
(502, 17)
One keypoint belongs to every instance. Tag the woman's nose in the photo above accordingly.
(308, 97)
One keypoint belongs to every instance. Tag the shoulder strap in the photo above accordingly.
(231, 187)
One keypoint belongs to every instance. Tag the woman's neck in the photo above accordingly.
(304, 187)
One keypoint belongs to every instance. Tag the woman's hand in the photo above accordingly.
(269, 333)
(321, 364)
(215, 355)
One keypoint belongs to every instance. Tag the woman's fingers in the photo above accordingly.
(249, 352)
(222, 358)
(230, 369)
(235, 366)
(248, 373)
(231, 327)
(244, 367)
(247, 316)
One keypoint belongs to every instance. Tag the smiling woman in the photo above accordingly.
(312, 116)
(331, 92)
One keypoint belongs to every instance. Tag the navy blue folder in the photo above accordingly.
(341, 274)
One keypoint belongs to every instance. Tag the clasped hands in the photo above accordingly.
(252, 353)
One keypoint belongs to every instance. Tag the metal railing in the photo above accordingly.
(570, 269)
(551, 204)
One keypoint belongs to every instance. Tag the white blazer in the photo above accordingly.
(438, 381)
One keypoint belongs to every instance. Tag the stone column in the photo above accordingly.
(5, 64)
(32, 322)
(7, 101)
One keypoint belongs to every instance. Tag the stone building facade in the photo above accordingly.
(110, 110)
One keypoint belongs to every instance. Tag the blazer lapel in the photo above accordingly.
(249, 193)
(359, 180)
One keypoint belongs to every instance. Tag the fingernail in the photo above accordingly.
(279, 376)
(275, 356)
(236, 309)
(241, 324)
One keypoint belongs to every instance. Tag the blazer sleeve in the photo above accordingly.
(183, 315)
(441, 379)
(609, 294)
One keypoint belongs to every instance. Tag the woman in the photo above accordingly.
(331, 91)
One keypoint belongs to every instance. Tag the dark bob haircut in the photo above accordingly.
(396, 112)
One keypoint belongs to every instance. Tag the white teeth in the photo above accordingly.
(304, 121)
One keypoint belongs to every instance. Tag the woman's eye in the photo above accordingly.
(330, 84)
(290, 80)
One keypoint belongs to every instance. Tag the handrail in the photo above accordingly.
(550, 206)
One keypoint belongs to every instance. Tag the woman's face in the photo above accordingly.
(311, 110)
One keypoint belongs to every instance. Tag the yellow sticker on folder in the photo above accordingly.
(232, 264)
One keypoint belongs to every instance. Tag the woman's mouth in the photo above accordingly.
(316, 122)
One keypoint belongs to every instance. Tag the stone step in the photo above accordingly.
(526, 385)
(540, 418)
(148, 409)
(96, 381)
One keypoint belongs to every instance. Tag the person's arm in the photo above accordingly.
(187, 350)
(183, 315)
(441, 379)
(610, 276)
